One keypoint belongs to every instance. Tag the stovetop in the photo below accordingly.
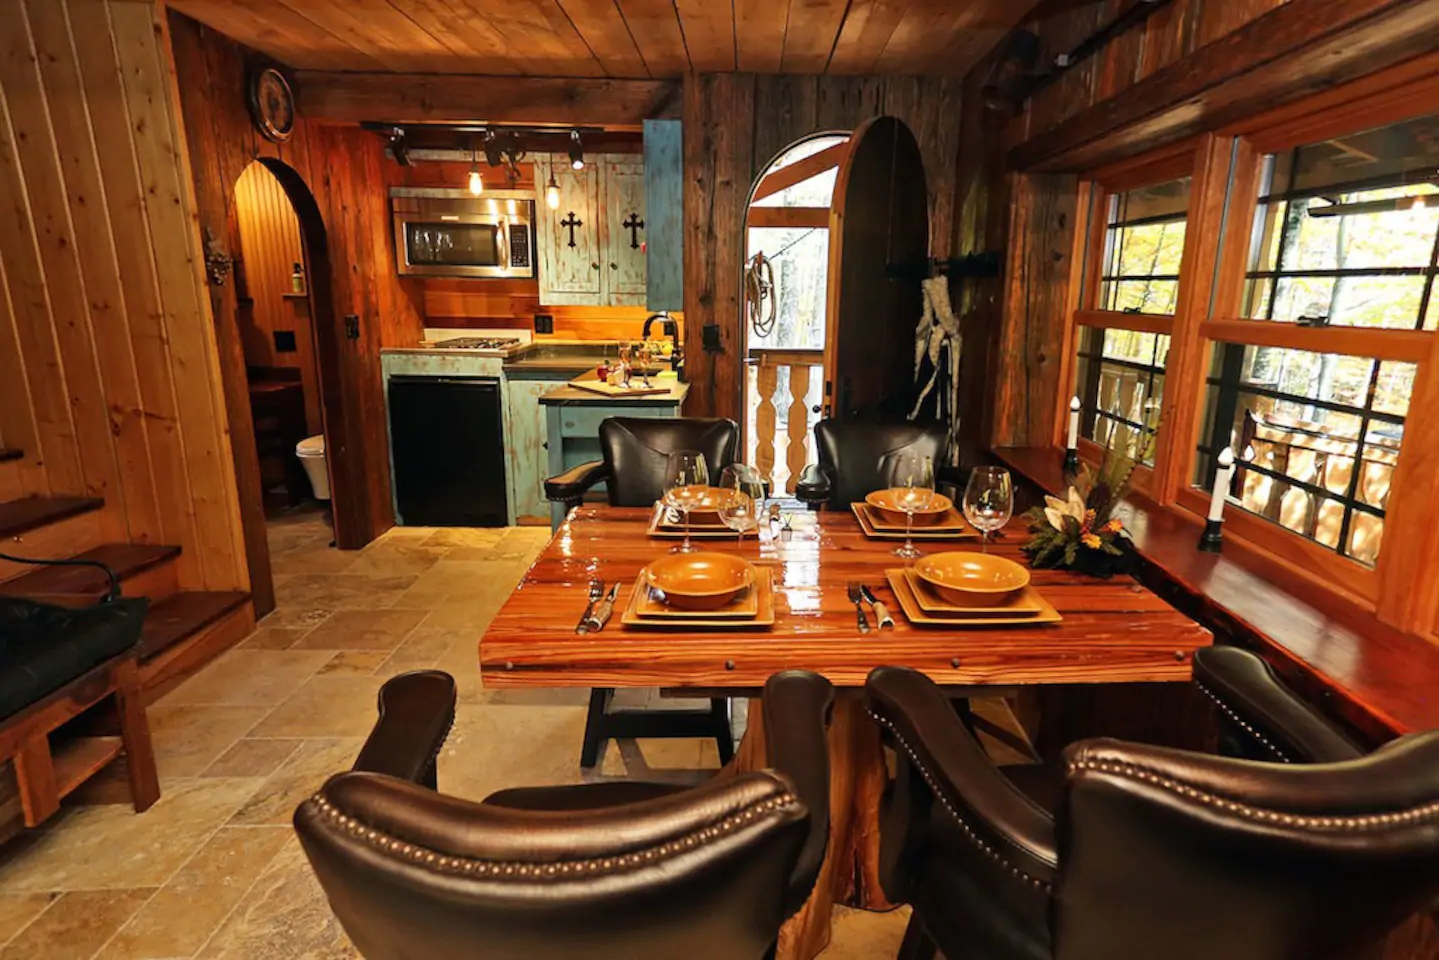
(479, 343)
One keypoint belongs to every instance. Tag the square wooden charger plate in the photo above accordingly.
(862, 513)
(698, 531)
(997, 617)
(642, 612)
(931, 602)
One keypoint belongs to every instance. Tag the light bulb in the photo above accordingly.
(1418, 203)
(477, 183)
(578, 163)
(552, 196)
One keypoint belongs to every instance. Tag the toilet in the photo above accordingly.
(311, 452)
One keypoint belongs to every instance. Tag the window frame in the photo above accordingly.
(1226, 168)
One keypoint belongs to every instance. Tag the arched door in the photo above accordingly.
(879, 218)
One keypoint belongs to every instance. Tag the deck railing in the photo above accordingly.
(785, 391)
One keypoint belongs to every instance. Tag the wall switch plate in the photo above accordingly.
(285, 341)
(711, 338)
(352, 326)
(544, 323)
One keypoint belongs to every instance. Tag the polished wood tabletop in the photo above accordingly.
(1113, 631)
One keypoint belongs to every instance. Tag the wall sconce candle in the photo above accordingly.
(1212, 540)
(1071, 445)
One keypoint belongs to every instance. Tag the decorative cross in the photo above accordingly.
(634, 225)
(572, 221)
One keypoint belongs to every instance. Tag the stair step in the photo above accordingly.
(183, 614)
(21, 516)
(9, 453)
(88, 584)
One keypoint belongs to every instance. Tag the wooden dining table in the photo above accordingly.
(1113, 631)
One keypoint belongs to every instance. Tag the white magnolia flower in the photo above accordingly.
(1055, 509)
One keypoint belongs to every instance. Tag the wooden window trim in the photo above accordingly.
(1162, 323)
(1409, 346)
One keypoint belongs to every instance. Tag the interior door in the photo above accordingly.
(624, 215)
(569, 236)
(879, 217)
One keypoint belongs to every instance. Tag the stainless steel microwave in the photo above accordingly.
(450, 233)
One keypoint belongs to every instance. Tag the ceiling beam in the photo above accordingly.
(1299, 48)
(801, 170)
(468, 98)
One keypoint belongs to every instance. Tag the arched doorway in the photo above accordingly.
(289, 350)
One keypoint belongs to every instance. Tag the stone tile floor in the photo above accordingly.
(213, 869)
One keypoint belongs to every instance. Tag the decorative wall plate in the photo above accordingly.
(272, 105)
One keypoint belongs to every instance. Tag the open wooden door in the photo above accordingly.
(879, 216)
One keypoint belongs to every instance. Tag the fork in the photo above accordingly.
(597, 590)
(856, 597)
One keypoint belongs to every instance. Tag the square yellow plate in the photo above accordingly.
(917, 615)
(638, 613)
(862, 514)
(1020, 604)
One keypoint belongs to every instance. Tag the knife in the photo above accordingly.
(857, 598)
(601, 613)
(597, 590)
(881, 612)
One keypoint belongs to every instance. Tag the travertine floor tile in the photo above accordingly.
(75, 925)
(322, 559)
(250, 677)
(362, 663)
(332, 705)
(252, 758)
(862, 935)
(190, 737)
(18, 909)
(273, 638)
(310, 766)
(363, 630)
(341, 591)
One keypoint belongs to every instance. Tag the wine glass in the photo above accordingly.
(911, 478)
(743, 494)
(988, 501)
(686, 484)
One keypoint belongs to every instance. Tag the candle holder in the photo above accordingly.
(1212, 539)
(1071, 461)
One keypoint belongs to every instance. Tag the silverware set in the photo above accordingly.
(859, 595)
(601, 605)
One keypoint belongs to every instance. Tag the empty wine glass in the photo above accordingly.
(686, 485)
(911, 478)
(742, 498)
(988, 501)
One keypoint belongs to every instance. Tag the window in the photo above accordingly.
(1124, 342)
(1346, 231)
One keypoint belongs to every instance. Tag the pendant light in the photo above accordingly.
(552, 193)
(477, 182)
(577, 151)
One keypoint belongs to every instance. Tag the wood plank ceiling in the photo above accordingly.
(618, 38)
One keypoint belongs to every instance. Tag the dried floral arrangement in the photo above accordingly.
(1080, 531)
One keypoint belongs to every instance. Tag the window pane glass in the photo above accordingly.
(1120, 383)
(1143, 245)
(1318, 436)
(1348, 229)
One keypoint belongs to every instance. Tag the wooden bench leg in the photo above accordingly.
(135, 732)
(35, 776)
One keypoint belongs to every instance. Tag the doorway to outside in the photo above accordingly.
(786, 289)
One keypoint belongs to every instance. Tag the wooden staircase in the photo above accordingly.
(184, 630)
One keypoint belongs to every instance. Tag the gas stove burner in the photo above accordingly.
(479, 343)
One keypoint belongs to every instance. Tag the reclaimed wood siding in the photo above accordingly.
(107, 355)
(735, 124)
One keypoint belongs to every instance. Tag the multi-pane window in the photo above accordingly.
(1143, 244)
(1121, 381)
(1346, 232)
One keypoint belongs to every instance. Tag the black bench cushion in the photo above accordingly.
(44, 647)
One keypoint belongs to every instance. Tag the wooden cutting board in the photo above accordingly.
(588, 381)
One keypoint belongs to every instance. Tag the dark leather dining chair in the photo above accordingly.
(607, 871)
(634, 453)
(1150, 851)
(855, 458)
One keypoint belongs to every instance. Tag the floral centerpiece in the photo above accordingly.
(1079, 530)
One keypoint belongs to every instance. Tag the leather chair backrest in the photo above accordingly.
(1175, 854)
(635, 450)
(700, 874)
(858, 454)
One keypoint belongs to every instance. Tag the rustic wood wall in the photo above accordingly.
(734, 125)
(336, 177)
(108, 366)
(269, 247)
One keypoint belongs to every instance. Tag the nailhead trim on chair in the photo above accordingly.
(988, 849)
(562, 870)
(1238, 720)
(1359, 822)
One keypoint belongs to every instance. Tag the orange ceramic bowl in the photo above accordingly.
(972, 579)
(887, 502)
(700, 581)
(707, 501)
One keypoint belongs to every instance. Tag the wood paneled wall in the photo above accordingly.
(336, 178)
(270, 246)
(734, 125)
(108, 367)
(505, 304)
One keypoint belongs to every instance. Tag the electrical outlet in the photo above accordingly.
(711, 338)
(352, 326)
(544, 323)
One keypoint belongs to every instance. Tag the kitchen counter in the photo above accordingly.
(574, 396)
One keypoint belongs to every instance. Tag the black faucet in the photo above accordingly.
(668, 327)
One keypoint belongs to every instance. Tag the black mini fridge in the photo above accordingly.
(447, 441)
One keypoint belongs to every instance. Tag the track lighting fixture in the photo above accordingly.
(577, 151)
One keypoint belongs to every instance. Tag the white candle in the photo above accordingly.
(1073, 443)
(1222, 479)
